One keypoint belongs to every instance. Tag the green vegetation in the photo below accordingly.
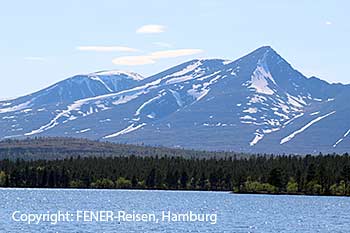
(321, 175)
(138, 167)
(61, 148)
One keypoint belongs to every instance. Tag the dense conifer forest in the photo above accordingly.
(60, 148)
(91, 165)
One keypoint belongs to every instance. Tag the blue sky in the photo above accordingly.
(42, 42)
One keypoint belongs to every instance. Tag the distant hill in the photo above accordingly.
(61, 148)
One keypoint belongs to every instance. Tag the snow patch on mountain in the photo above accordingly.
(257, 138)
(296, 102)
(179, 79)
(201, 90)
(177, 97)
(138, 111)
(126, 98)
(226, 62)
(54, 121)
(132, 75)
(127, 130)
(96, 78)
(188, 69)
(16, 108)
(83, 130)
(251, 110)
(247, 117)
(123, 97)
(342, 138)
(291, 136)
(260, 81)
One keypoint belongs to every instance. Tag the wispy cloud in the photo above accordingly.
(328, 23)
(174, 53)
(133, 60)
(151, 28)
(106, 49)
(34, 58)
(153, 57)
(163, 44)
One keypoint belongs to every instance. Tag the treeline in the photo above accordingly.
(50, 148)
(321, 175)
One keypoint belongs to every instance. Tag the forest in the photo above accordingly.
(141, 167)
(50, 148)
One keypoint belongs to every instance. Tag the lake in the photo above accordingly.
(221, 211)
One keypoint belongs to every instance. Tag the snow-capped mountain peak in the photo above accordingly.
(258, 103)
(127, 74)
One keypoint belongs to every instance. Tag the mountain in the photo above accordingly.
(258, 103)
(28, 112)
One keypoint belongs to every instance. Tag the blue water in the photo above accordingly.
(235, 213)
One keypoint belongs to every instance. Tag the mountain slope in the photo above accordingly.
(257, 103)
(23, 113)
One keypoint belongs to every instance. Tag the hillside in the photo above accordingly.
(61, 148)
(256, 104)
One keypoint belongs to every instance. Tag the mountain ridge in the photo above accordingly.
(257, 103)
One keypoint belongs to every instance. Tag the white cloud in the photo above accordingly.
(34, 58)
(106, 49)
(153, 57)
(174, 53)
(328, 23)
(133, 60)
(151, 28)
(163, 44)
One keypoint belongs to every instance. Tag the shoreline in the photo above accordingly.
(174, 190)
